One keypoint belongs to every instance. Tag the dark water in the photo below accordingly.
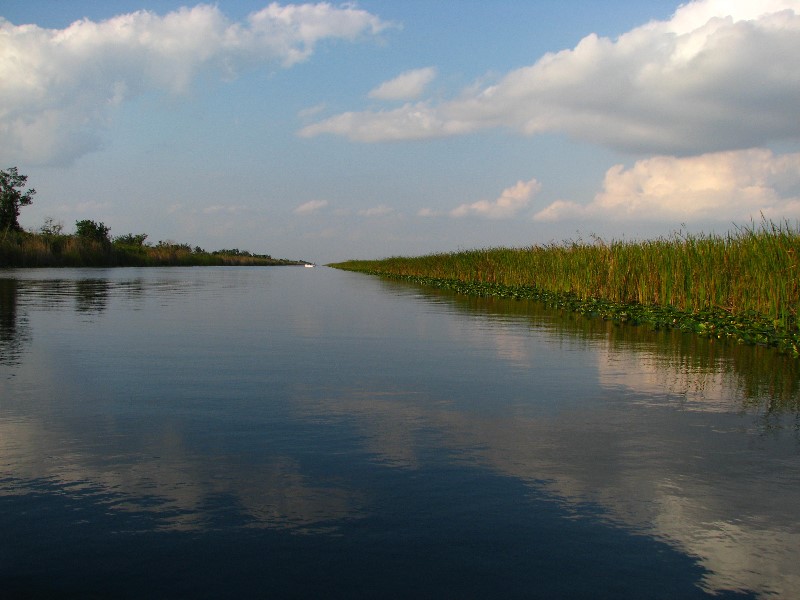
(290, 432)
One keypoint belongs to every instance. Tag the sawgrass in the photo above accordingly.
(744, 285)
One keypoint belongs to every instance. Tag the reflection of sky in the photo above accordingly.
(651, 376)
(638, 452)
(627, 463)
(273, 492)
(84, 429)
(403, 383)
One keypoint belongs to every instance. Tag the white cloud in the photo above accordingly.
(310, 207)
(511, 201)
(57, 87)
(292, 31)
(718, 75)
(428, 212)
(561, 210)
(726, 186)
(412, 121)
(405, 86)
(311, 111)
(376, 211)
(221, 208)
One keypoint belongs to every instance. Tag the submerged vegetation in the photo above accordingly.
(92, 245)
(743, 286)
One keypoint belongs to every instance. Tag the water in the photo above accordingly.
(288, 432)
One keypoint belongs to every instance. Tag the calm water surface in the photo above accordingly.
(289, 432)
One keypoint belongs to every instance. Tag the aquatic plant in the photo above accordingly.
(742, 286)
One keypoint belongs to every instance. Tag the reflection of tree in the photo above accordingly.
(133, 289)
(12, 332)
(91, 295)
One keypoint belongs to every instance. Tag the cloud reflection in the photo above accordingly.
(273, 493)
(642, 449)
(660, 430)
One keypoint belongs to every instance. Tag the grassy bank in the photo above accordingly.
(743, 286)
(22, 249)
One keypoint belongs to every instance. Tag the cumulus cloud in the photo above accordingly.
(510, 202)
(428, 212)
(310, 207)
(311, 111)
(406, 86)
(718, 75)
(734, 185)
(58, 86)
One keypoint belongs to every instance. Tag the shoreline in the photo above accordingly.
(28, 250)
(743, 287)
(749, 329)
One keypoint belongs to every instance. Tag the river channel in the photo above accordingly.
(312, 433)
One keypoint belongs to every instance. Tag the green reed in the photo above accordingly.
(750, 272)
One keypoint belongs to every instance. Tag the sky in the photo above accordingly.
(329, 131)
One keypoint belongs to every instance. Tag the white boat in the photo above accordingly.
(308, 266)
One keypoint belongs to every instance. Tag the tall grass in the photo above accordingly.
(751, 270)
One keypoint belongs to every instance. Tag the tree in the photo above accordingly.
(89, 230)
(51, 227)
(131, 239)
(12, 197)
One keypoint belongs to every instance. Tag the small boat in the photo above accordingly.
(308, 266)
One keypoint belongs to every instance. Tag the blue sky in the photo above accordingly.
(334, 131)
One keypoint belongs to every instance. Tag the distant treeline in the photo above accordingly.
(92, 246)
(744, 286)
